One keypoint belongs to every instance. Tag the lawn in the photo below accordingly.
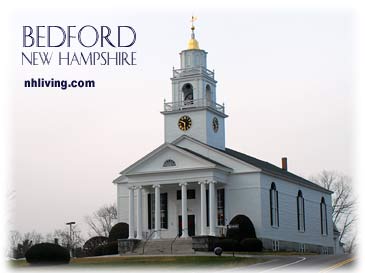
(154, 262)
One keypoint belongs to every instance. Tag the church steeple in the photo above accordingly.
(193, 110)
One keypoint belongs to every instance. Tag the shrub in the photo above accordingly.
(245, 228)
(119, 231)
(92, 243)
(251, 244)
(227, 244)
(108, 249)
(111, 248)
(47, 253)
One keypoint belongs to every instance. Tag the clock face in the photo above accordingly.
(215, 124)
(184, 123)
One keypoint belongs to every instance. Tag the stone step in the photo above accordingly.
(163, 246)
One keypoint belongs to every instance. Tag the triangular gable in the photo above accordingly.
(223, 158)
(181, 158)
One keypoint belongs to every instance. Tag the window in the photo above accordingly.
(221, 220)
(275, 245)
(274, 206)
(302, 248)
(151, 211)
(220, 207)
(188, 94)
(169, 163)
(208, 94)
(207, 201)
(323, 209)
(300, 211)
(190, 194)
(163, 210)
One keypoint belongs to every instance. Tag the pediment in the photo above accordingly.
(169, 158)
(238, 166)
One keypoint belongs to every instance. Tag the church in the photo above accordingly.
(193, 185)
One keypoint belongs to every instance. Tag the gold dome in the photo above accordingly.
(193, 44)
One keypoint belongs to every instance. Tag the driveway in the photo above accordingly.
(311, 263)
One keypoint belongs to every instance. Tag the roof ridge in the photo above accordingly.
(267, 166)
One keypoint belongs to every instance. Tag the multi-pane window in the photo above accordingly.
(300, 211)
(207, 202)
(190, 194)
(274, 206)
(220, 207)
(169, 163)
(324, 228)
(163, 210)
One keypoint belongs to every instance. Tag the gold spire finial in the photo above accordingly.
(193, 43)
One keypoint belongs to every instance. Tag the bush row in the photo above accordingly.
(248, 244)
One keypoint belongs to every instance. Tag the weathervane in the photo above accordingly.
(193, 19)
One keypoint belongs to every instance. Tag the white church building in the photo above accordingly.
(193, 185)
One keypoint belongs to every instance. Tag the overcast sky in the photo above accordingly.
(286, 78)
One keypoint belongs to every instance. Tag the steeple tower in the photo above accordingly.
(193, 110)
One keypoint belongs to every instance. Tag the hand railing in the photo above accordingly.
(149, 237)
(192, 70)
(177, 236)
(180, 105)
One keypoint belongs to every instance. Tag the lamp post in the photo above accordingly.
(70, 238)
(233, 227)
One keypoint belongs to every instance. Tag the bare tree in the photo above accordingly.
(15, 238)
(102, 220)
(64, 239)
(33, 236)
(343, 203)
(19, 244)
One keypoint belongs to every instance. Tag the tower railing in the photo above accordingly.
(192, 71)
(188, 104)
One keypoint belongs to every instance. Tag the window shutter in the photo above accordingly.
(320, 208)
(298, 217)
(149, 210)
(277, 205)
(303, 214)
(271, 216)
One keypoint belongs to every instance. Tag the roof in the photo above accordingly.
(271, 168)
(260, 164)
(205, 158)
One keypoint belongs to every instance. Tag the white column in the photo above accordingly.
(212, 208)
(139, 212)
(203, 209)
(184, 211)
(157, 213)
(131, 213)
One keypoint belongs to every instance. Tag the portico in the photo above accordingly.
(135, 231)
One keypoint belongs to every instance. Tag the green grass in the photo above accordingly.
(273, 253)
(168, 262)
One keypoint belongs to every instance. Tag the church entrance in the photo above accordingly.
(191, 225)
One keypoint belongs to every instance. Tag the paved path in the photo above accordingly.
(310, 263)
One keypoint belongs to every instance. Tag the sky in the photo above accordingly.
(286, 78)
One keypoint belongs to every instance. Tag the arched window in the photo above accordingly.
(274, 206)
(188, 95)
(300, 211)
(323, 207)
(169, 163)
(208, 94)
